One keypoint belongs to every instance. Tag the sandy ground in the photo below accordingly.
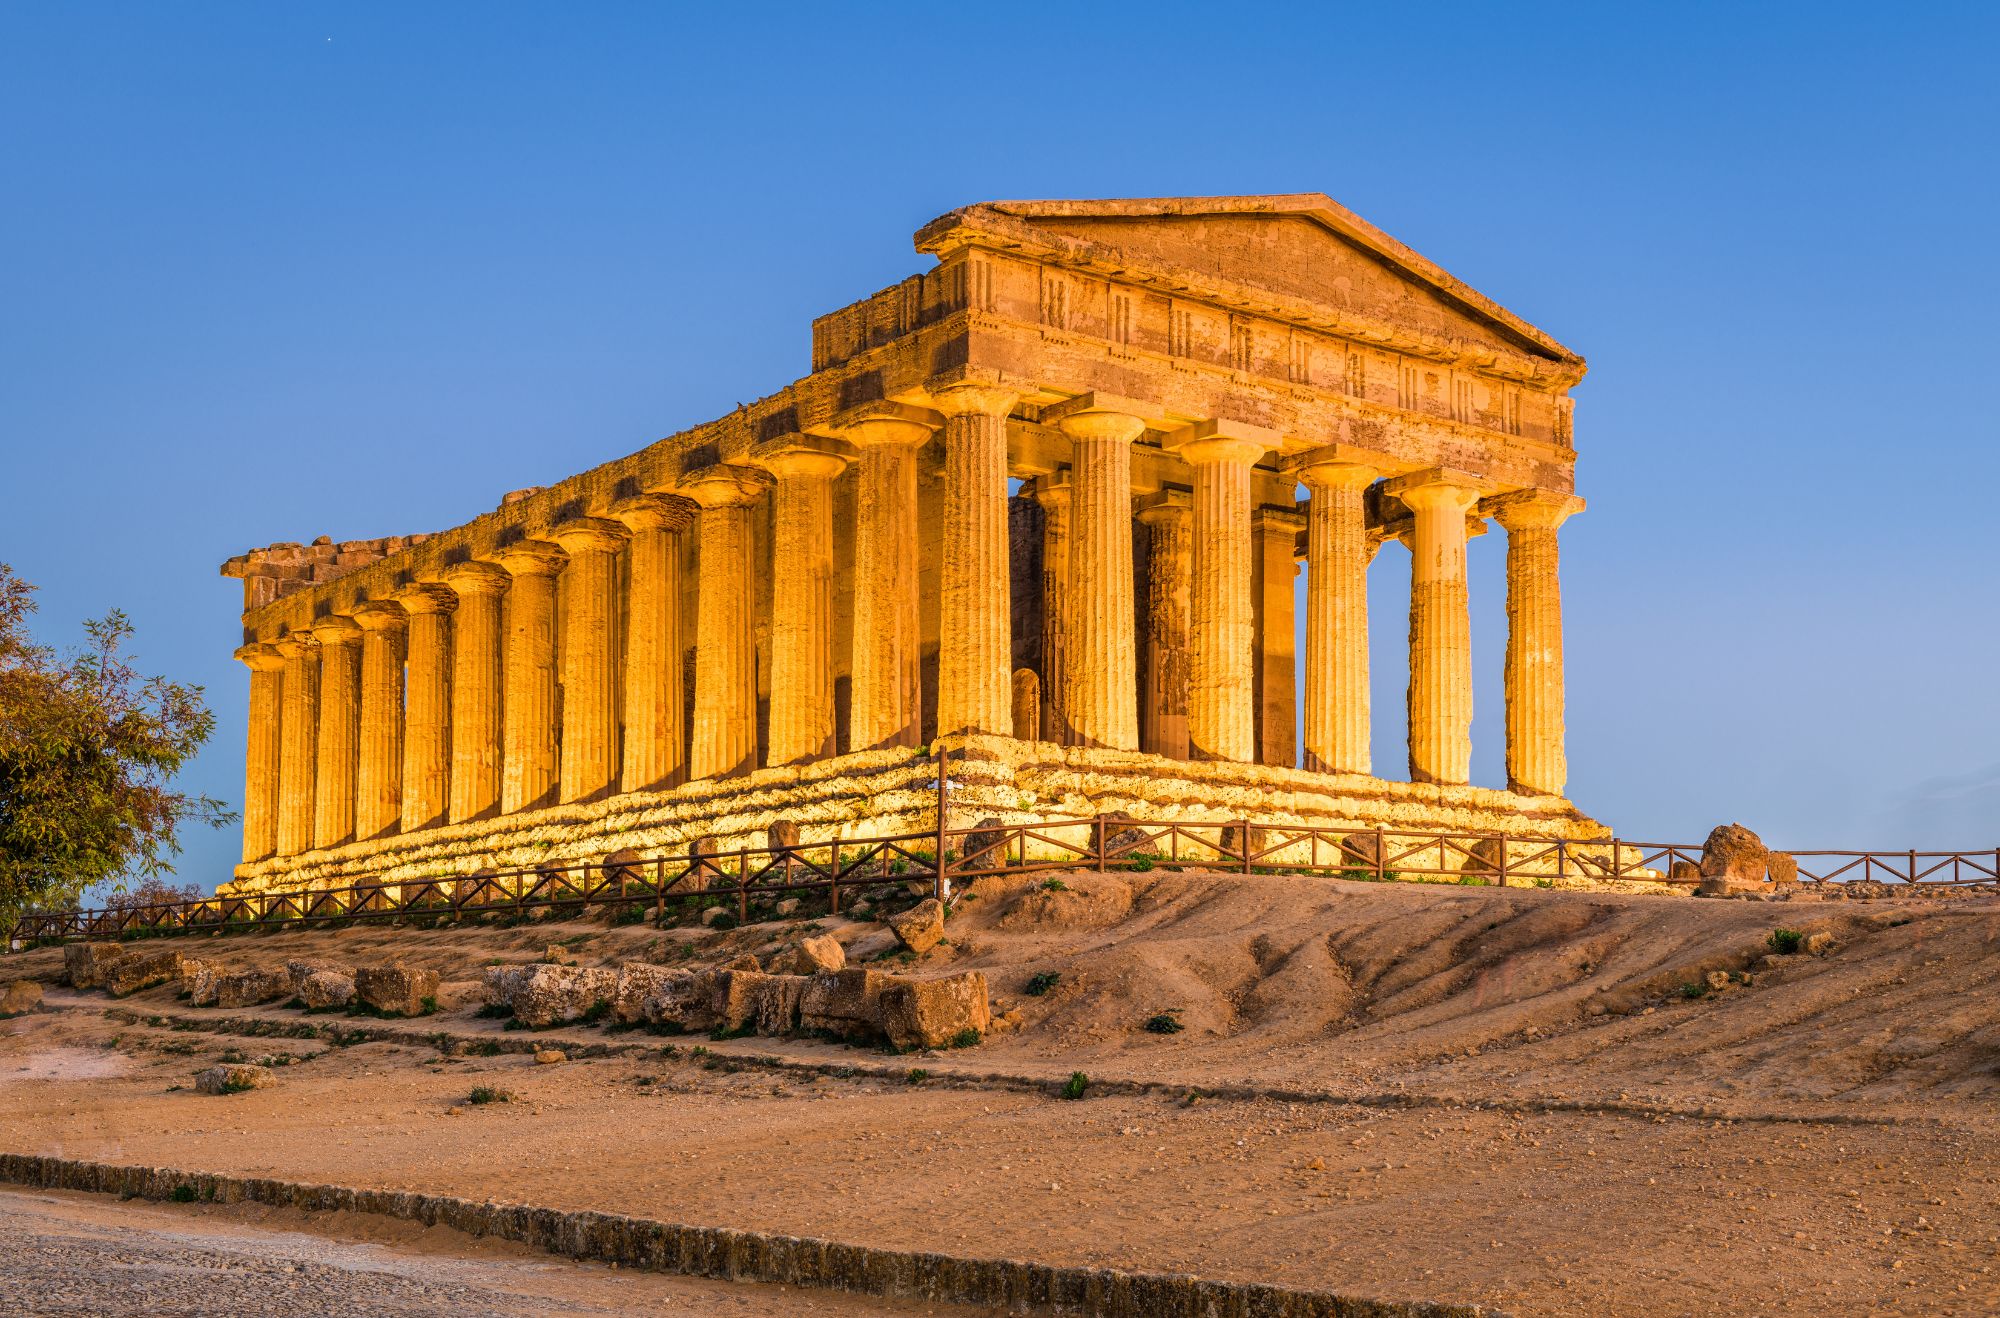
(82, 1254)
(1821, 1140)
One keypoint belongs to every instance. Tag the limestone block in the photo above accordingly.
(982, 848)
(19, 998)
(85, 965)
(779, 998)
(735, 995)
(1734, 859)
(303, 967)
(247, 988)
(638, 981)
(321, 990)
(930, 1013)
(544, 995)
(233, 1079)
(818, 953)
(782, 833)
(397, 990)
(142, 972)
(201, 978)
(1783, 867)
(921, 927)
(683, 999)
(844, 1002)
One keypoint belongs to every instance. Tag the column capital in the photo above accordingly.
(582, 535)
(1115, 427)
(261, 657)
(423, 597)
(1051, 488)
(1165, 508)
(1334, 467)
(970, 398)
(380, 616)
(725, 485)
(882, 422)
(1439, 487)
(530, 558)
(1528, 510)
(296, 645)
(801, 455)
(654, 512)
(336, 629)
(476, 578)
(1095, 403)
(1221, 441)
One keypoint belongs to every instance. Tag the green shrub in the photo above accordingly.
(1042, 983)
(917, 1075)
(966, 1038)
(1075, 1087)
(1786, 942)
(496, 1011)
(1053, 884)
(1693, 990)
(488, 1094)
(183, 1194)
(723, 921)
(1167, 1022)
(596, 1011)
(427, 1006)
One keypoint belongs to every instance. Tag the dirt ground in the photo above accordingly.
(1408, 1091)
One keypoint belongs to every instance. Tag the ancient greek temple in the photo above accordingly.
(1047, 501)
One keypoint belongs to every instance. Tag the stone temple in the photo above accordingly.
(1042, 501)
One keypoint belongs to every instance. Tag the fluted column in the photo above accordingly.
(1052, 492)
(725, 667)
(1338, 552)
(339, 729)
(589, 737)
(801, 725)
(378, 768)
(298, 749)
(529, 769)
(1536, 758)
(1275, 568)
(262, 749)
(1440, 700)
(975, 673)
(477, 680)
(1163, 705)
(426, 706)
(1221, 714)
(885, 684)
(655, 742)
(1102, 695)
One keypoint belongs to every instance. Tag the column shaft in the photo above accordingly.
(1536, 758)
(1053, 494)
(530, 769)
(378, 770)
(426, 707)
(262, 750)
(1337, 557)
(1103, 660)
(1440, 700)
(885, 688)
(725, 672)
(589, 756)
(1221, 718)
(975, 635)
(802, 605)
(655, 742)
(339, 730)
(298, 743)
(1164, 703)
(477, 668)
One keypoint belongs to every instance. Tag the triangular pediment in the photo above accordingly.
(1303, 248)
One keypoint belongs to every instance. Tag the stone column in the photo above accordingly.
(1101, 694)
(426, 706)
(801, 726)
(885, 686)
(1221, 715)
(975, 635)
(589, 760)
(298, 745)
(1338, 551)
(477, 668)
(262, 751)
(1052, 492)
(1275, 570)
(529, 770)
(1536, 759)
(1440, 702)
(339, 729)
(655, 743)
(725, 666)
(378, 770)
(1163, 706)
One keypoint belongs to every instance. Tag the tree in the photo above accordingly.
(88, 753)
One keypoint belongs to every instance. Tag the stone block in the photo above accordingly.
(19, 998)
(681, 1000)
(778, 1000)
(202, 978)
(233, 1079)
(781, 834)
(545, 995)
(930, 1013)
(324, 989)
(1784, 868)
(303, 967)
(921, 927)
(844, 1002)
(786, 906)
(983, 847)
(637, 982)
(142, 972)
(86, 964)
(1734, 854)
(818, 953)
(247, 988)
(396, 990)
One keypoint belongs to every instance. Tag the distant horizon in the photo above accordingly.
(285, 273)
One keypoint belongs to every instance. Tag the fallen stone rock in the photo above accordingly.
(778, 1000)
(1718, 980)
(743, 961)
(930, 1013)
(714, 913)
(201, 978)
(982, 847)
(844, 1002)
(1361, 851)
(1684, 871)
(302, 967)
(786, 906)
(19, 998)
(683, 1000)
(247, 988)
(550, 1056)
(638, 981)
(322, 990)
(396, 990)
(1733, 860)
(543, 995)
(1784, 868)
(1819, 944)
(818, 953)
(782, 833)
(233, 1079)
(142, 972)
(921, 927)
(86, 964)
(555, 954)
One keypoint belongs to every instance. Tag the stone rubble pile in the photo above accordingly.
(395, 990)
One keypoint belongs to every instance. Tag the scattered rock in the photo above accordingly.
(982, 847)
(323, 989)
(1684, 871)
(921, 927)
(1718, 980)
(201, 978)
(1485, 858)
(786, 906)
(744, 961)
(1784, 868)
(1733, 860)
(844, 1002)
(929, 1013)
(682, 999)
(396, 990)
(1819, 944)
(550, 1056)
(233, 1079)
(637, 982)
(19, 998)
(714, 913)
(247, 988)
(142, 972)
(818, 953)
(86, 964)
(304, 967)
(555, 954)
(1361, 851)
(778, 1001)
(544, 995)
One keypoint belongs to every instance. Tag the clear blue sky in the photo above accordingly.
(275, 271)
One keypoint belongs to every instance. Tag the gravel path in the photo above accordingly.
(80, 1254)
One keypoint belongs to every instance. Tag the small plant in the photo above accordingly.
(596, 1011)
(183, 1194)
(1053, 884)
(1786, 942)
(495, 1011)
(917, 1075)
(1042, 983)
(236, 1086)
(1545, 883)
(1693, 990)
(1075, 1087)
(698, 1050)
(1167, 1022)
(231, 1057)
(427, 1006)
(966, 1038)
(723, 921)
(485, 1094)
(515, 1023)
(645, 1080)
(1141, 863)
(722, 1032)
(629, 915)
(486, 1048)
